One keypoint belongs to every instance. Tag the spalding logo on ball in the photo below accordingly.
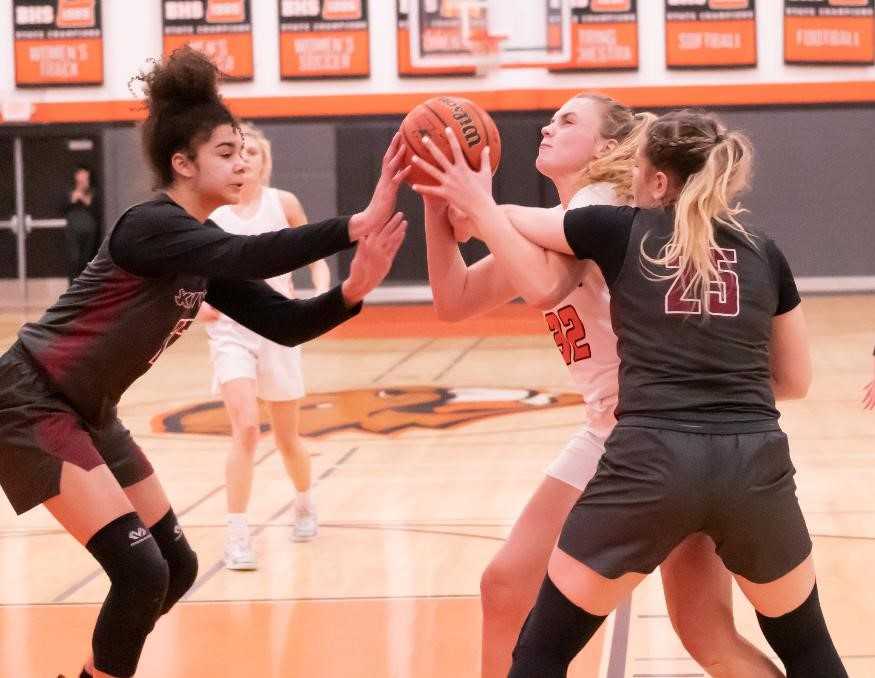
(473, 127)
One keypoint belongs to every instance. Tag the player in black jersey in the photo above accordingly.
(709, 332)
(61, 442)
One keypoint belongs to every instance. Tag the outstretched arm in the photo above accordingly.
(255, 305)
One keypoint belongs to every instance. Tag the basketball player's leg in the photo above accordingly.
(698, 593)
(133, 472)
(285, 417)
(150, 502)
(242, 407)
(510, 583)
(791, 619)
(281, 386)
(96, 512)
(632, 514)
(572, 604)
(764, 542)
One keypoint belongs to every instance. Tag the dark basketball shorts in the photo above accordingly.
(654, 487)
(39, 430)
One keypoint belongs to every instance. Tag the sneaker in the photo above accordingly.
(306, 526)
(239, 554)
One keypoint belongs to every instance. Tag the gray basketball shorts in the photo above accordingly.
(40, 430)
(655, 486)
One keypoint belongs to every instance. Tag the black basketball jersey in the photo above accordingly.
(678, 363)
(144, 287)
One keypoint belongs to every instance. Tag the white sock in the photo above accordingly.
(304, 502)
(238, 525)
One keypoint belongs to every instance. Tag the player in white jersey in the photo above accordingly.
(587, 150)
(248, 368)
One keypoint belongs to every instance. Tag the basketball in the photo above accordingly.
(473, 127)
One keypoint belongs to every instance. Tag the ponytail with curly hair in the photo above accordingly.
(184, 104)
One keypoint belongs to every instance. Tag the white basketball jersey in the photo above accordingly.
(581, 325)
(268, 217)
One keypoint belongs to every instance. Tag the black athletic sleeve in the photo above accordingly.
(788, 295)
(600, 233)
(254, 304)
(160, 238)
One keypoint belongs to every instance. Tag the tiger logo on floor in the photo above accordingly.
(378, 410)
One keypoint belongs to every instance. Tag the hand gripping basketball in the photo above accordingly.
(457, 184)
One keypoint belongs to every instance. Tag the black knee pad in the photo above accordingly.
(554, 633)
(802, 641)
(138, 575)
(180, 557)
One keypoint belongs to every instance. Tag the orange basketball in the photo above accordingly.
(473, 127)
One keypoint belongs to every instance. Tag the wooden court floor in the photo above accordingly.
(427, 438)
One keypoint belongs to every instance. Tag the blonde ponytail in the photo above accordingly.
(615, 167)
(717, 166)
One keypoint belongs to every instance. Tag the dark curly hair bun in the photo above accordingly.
(184, 104)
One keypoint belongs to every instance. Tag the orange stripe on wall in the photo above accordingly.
(505, 100)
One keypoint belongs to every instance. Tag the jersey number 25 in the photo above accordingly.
(569, 333)
(722, 296)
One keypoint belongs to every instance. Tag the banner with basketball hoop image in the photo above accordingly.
(829, 31)
(710, 33)
(324, 39)
(221, 29)
(57, 42)
(604, 36)
(440, 30)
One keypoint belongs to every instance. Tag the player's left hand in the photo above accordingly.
(458, 184)
(373, 259)
(382, 205)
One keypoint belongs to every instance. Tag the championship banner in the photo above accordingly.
(324, 39)
(221, 29)
(438, 31)
(710, 33)
(57, 42)
(604, 36)
(829, 31)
